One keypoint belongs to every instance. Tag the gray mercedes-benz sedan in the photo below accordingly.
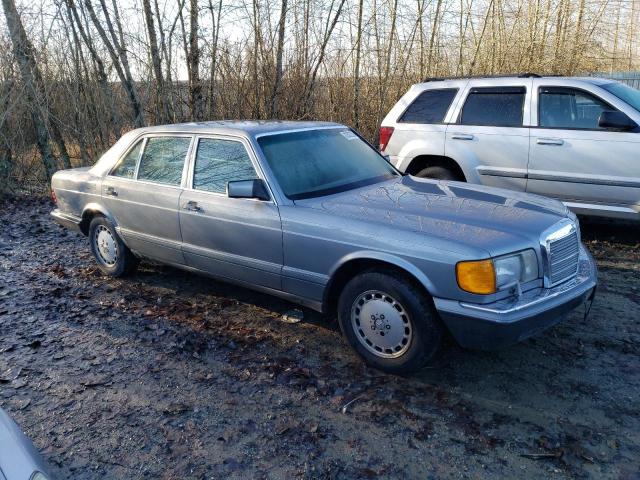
(312, 213)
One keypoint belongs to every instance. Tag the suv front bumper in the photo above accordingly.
(512, 320)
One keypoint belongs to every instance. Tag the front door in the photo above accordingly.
(142, 193)
(491, 133)
(235, 238)
(576, 161)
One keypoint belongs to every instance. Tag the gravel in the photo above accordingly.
(167, 374)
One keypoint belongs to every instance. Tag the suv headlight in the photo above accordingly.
(488, 276)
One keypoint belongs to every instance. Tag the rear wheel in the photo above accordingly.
(389, 321)
(438, 172)
(112, 255)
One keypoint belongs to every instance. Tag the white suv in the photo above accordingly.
(574, 139)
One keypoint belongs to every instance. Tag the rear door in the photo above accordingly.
(236, 238)
(419, 128)
(489, 133)
(573, 159)
(142, 193)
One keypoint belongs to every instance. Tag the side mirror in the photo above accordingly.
(248, 189)
(615, 121)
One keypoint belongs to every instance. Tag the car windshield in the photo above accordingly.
(314, 163)
(624, 93)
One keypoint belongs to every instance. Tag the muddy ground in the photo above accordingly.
(171, 375)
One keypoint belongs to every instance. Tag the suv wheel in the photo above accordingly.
(112, 255)
(438, 172)
(389, 321)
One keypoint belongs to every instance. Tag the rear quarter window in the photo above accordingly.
(127, 166)
(429, 107)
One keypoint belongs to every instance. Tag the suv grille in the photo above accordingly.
(563, 257)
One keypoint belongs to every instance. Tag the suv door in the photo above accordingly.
(490, 134)
(235, 238)
(142, 193)
(573, 159)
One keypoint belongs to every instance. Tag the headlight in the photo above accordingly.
(521, 267)
(488, 276)
(38, 476)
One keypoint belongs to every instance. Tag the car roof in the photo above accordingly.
(592, 80)
(237, 127)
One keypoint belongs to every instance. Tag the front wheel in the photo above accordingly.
(112, 255)
(389, 321)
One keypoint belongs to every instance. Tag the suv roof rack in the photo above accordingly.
(507, 75)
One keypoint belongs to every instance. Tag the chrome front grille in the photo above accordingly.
(563, 253)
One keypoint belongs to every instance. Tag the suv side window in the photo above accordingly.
(563, 107)
(494, 106)
(430, 106)
(163, 160)
(127, 166)
(220, 161)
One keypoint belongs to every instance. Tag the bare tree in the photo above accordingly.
(279, 52)
(356, 70)
(35, 92)
(119, 60)
(193, 59)
(95, 68)
(162, 112)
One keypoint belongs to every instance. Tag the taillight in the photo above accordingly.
(385, 136)
(54, 199)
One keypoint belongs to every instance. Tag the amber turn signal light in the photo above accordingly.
(476, 276)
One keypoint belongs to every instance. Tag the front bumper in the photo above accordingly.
(512, 320)
(67, 220)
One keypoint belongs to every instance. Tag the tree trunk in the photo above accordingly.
(34, 91)
(5, 147)
(163, 115)
(215, 20)
(356, 73)
(195, 86)
(122, 69)
(278, 79)
(103, 80)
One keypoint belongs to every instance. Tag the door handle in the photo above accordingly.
(110, 191)
(192, 206)
(550, 141)
(461, 136)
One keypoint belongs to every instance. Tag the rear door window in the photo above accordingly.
(571, 108)
(163, 160)
(430, 106)
(494, 106)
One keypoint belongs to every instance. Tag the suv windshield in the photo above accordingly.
(314, 163)
(624, 93)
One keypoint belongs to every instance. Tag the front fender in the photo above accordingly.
(386, 258)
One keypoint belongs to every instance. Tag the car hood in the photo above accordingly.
(496, 220)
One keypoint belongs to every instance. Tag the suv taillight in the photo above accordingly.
(385, 136)
(54, 199)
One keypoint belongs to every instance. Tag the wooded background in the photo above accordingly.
(76, 74)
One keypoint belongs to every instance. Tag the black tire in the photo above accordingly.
(124, 263)
(426, 330)
(438, 172)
